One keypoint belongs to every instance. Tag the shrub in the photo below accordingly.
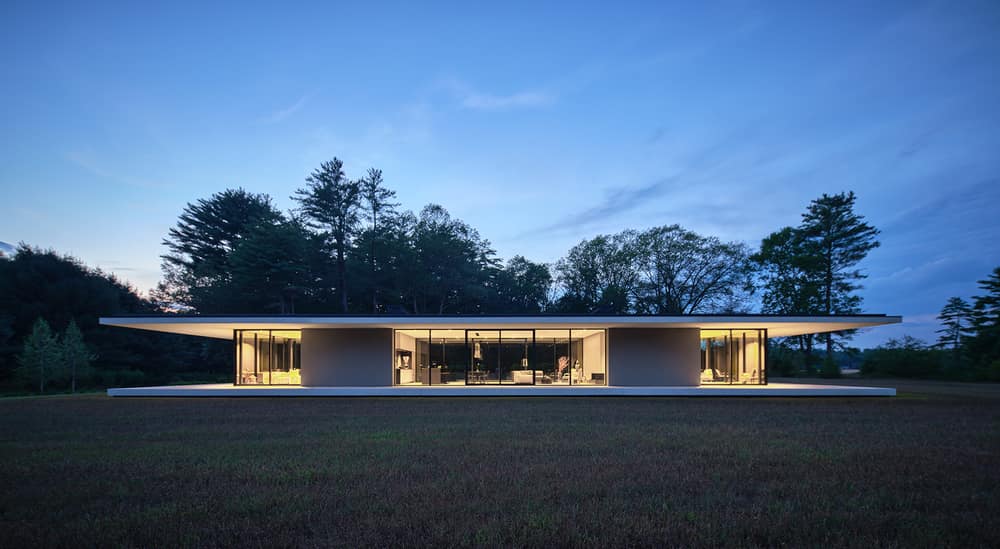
(907, 357)
(830, 368)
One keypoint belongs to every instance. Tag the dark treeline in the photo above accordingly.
(349, 247)
(968, 347)
(59, 292)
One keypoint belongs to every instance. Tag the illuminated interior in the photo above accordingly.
(733, 357)
(500, 357)
(268, 357)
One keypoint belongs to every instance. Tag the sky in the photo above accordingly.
(540, 125)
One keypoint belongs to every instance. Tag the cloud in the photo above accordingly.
(490, 102)
(89, 163)
(920, 142)
(473, 99)
(717, 160)
(967, 207)
(281, 114)
(616, 202)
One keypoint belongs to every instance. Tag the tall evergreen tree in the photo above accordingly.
(838, 238)
(379, 205)
(984, 345)
(955, 328)
(331, 203)
(75, 355)
(40, 356)
(197, 268)
(276, 265)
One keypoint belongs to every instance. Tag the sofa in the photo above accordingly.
(526, 377)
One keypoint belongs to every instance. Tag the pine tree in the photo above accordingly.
(198, 268)
(955, 318)
(378, 201)
(984, 345)
(838, 239)
(40, 355)
(75, 354)
(331, 202)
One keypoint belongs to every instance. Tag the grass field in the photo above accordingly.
(921, 469)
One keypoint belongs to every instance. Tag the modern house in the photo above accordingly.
(505, 355)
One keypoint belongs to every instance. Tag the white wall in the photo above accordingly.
(593, 355)
(347, 357)
(654, 356)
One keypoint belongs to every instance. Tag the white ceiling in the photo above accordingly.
(222, 327)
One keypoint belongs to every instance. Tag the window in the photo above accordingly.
(499, 357)
(733, 356)
(268, 357)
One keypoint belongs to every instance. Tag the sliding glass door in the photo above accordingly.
(499, 357)
(733, 357)
(268, 357)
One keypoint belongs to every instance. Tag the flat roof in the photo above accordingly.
(222, 326)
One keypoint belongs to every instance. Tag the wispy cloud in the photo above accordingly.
(489, 102)
(281, 114)
(88, 162)
(473, 99)
(616, 202)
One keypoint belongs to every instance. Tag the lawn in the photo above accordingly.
(921, 469)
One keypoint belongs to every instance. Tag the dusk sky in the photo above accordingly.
(538, 126)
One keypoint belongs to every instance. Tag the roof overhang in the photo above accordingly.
(222, 327)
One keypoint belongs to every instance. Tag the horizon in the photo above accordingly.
(725, 120)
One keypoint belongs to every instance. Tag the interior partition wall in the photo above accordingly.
(500, 357)
(732, 357)
(268, 357)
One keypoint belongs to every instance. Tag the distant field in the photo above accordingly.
(921, 469)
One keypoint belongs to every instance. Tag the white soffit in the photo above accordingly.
(222, 327)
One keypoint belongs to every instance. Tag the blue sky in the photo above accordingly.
(540, 126)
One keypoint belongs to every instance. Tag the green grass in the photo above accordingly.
(922, 469)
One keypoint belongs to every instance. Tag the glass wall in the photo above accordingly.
(733, 357)
(268, 357)
(500, 357)
(429, 357)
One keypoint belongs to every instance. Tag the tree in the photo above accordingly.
(984, 345)
(685, 273)
(838, 239)
(59, 289)
(600, 274)
(788, 273)
(274, 265)
(396, 275)
(40, 356)
(954, 318)
(452, 265)
(987, 306)
(331, 202)
(523, 286)
(75, 355)
(197, 268)
(906, 357)
(379, 205)
(664, 270)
